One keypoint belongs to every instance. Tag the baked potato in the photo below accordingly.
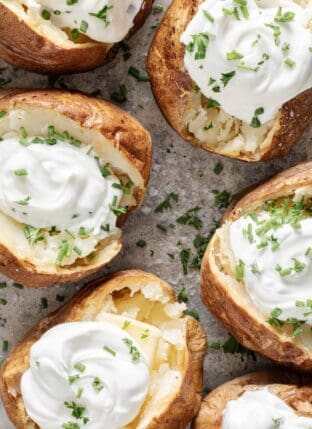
(294, 390)
(68, 162)
(133, 300)
(34, 36)
(202, 121)
(255, 272)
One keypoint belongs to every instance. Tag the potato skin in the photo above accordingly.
(122, 129)
(179, 411)
(251, 331)
(173, 88)
(292, 388)
(23, 47)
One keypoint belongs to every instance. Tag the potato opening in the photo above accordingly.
(36, 122)
(150, 303)
(224, 263)
(218, 131)
(45, 28)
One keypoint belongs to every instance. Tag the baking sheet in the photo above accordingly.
(177, 168)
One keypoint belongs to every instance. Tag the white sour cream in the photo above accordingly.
(274, 81)
(260, 409)
(88, 364)
(268, 289)
(58, 186)
(111, 25)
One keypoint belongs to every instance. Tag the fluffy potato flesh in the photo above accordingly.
(175, 383)
(41, 26)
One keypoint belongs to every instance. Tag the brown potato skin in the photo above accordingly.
(22, 47)
(173, 88)
(179, 411)
(292, 388)
(254, 333)
(124, 130)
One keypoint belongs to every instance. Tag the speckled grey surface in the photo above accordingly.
(178, 168)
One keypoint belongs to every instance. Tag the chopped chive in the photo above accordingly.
(109, 350)
(79, 366)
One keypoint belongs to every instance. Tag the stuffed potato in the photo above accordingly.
(261, 400)
(122, 353)
(49, 36)
(235, 77)
(72, 168)
(256, 272)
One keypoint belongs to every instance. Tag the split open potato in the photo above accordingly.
(81, 153)
(293, 389)
(209, 127)
(141, 300)
(255, 272)
(30, 39)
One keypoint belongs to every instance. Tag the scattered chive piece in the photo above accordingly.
(79, 392)
(44, 303)
(5, 346)
(21, 172)
(17, 285)
(240, 270)
(134, 72)
(46, 14)
(290, 63)
(97, 384)
(120, 96)
(221, 199)
(73, 378)
(109, 350)
(158, 8)
(132, 349)
(208, 16)
(166, 204)
(162, 227)
(126, 324)
(211, 103)
(234, 55)
(79, 366)
(193, 313)
(226, 77)
(182, 295)
(84, 26)
(214, 346)
(141, 243)
(284, 17)
(23, 132)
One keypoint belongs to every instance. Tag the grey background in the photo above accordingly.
(177, 167)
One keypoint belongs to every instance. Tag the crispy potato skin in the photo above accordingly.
(23, 47)
(294, 389)
(173, 88)
(114, 124)
(178, 412)
(254, 333)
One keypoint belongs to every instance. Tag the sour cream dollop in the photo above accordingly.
(278, 275)
(107, 21)
(86, 366)
(263, 410)
(58, 187)
(251, 59)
